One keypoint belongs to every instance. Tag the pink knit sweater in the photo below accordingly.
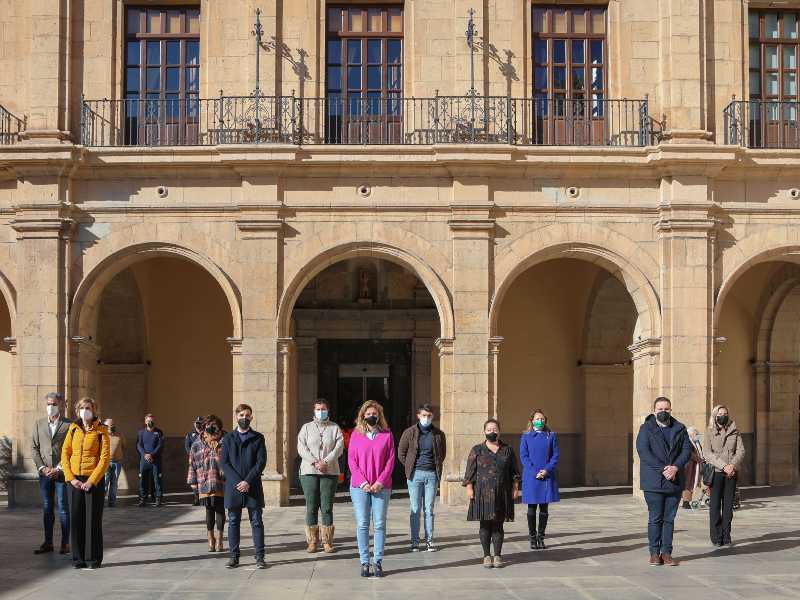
(371, 460)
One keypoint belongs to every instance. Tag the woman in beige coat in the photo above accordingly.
(724, 450)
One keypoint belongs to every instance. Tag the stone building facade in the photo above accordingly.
(572, 212)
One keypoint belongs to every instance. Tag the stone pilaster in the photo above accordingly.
(421, 372)
(494, 383)
(83, 367)
(646, 384)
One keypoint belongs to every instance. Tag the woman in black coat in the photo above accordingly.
(492, 482)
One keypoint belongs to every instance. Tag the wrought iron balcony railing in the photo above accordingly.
(763, 123)
(11, 127)
(367, 120)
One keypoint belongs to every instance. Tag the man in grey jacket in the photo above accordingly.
(48, 437)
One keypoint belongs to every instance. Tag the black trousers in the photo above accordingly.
(215, 512)
(86, 516)
(492, 534)
(720, 511)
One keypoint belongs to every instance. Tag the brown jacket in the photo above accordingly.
(409, 444)
(723, 446)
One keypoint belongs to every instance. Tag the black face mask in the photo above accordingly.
(492, 437)
(113, 429)
(372, 420)
(662, 416)
(244, 423)
(722, 420)
(151, 424)
(211, 430)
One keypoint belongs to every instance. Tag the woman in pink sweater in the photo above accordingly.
(371, 460)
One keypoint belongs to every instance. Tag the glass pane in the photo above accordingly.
(374, 78)
(395, 78)
(354, 78)
(375, 19)
(193, 21)
(192, 52)
(334, 53)
(174, 21)
(173, 79)
(192, 79)
(395, 19)
(395, 104)
(755, 84)
(192, 105)
(153, 78)
(597, 78)
(577, 52)
(374, 51)
(559, 51)
(753, 25)
(173, 52)
(597, 51)
(540, 51)
(598, 20)
(772, 84)
(334, 79)
(598, 106)
(560, 20)
(540, 78)
(153, 53)
(790, 25)
(790, 111)
(354, 103)
(771, 57)
(578, 77)
(578, 20)
(133, 53)
(132, 79)
(356, 20)
(334, 19)
(755, 56)
(394, 51)
(172, 106)
(559, 78)
(559, 101)
(354, 52)
(133, 20)
(153, 21)
(790, 57)
(771, 25)
(790, 84)
(374, 103)
(539, 20)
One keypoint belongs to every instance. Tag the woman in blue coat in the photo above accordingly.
(538, 452)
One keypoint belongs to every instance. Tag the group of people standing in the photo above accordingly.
(225, 469)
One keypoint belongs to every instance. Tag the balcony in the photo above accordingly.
(762, 123)
(11, 127)
(372, 120)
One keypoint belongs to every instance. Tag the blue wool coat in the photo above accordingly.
(539, 450)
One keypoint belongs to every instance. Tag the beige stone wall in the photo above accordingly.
(6, 389)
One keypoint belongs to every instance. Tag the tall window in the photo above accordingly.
(364, 77)
(162, 73)
(569, 58)
(774, 48)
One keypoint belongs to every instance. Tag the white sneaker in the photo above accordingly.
(430, 547)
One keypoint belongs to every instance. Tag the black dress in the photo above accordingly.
(492, 476)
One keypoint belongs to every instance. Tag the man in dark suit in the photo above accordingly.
(244, 457)
(48, 437)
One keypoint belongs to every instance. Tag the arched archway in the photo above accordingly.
(7, 314)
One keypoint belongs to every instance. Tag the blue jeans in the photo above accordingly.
(370, 507)
(148, 471)
(422, 490)
(112, 481)
(256, 524)
(54, 493)
(661, 509)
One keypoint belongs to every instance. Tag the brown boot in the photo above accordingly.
(655, 560)
(312, 538)
(327, 538)
(220, 546)
(212, 543)
(668, 561)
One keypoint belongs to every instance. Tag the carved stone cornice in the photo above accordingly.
(11, 344)
(235, 345)
(444, 346)
(644, 348)
(495, 343)
(29, 227)
(255, 229)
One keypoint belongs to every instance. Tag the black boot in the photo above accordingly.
(542, 528)
(532, 531)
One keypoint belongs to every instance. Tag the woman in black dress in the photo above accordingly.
(492, 482)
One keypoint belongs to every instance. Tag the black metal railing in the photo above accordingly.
(388, 119)
(11, 127)
(762, 123)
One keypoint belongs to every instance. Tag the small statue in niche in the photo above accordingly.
(364, 292)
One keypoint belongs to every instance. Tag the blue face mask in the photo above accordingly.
(321, 415)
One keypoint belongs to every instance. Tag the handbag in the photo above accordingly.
(708, 474)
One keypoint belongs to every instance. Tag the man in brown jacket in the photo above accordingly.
(422, 452)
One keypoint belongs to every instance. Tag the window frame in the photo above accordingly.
(781, 43)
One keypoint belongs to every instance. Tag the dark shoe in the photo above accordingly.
(159, 502)
(655, 560)
(668, 561)
(414, 548)
(44, 549)
(260, 563)
(111, 504)
(686, 505)
(92, 566)
(233, 562)
(365, 570)
(140, 503)
(196, 501)
(79, 565)
(534, 542)
(540, 542)
(378, 572)
(64, 549)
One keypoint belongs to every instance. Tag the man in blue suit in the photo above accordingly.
(664, 449)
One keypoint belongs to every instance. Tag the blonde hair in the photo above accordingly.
(83, 402)
(361, 424)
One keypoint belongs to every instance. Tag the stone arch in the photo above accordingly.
(340, 252)
(10, 298)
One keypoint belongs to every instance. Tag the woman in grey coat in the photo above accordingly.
(725, 451)
(319, 444)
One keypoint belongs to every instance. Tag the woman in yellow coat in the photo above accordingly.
(85, 459)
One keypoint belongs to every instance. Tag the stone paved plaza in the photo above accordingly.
(598, 549)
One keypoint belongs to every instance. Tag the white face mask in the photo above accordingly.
(86, 414)
(52, 410)
(425, 421)
(321, 415)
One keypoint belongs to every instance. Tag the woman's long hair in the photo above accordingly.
(534, 412)
(361, 424)
(86, 402)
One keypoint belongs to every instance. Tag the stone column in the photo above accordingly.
(644, 355)
(421, 372)
(494, 382)
(451, 474)
(11, 344)
(782, 422)
(761, 375)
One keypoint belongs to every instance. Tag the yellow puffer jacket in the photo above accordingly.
(86, 453)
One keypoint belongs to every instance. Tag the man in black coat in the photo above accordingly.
(664, 449)
(244, 457)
